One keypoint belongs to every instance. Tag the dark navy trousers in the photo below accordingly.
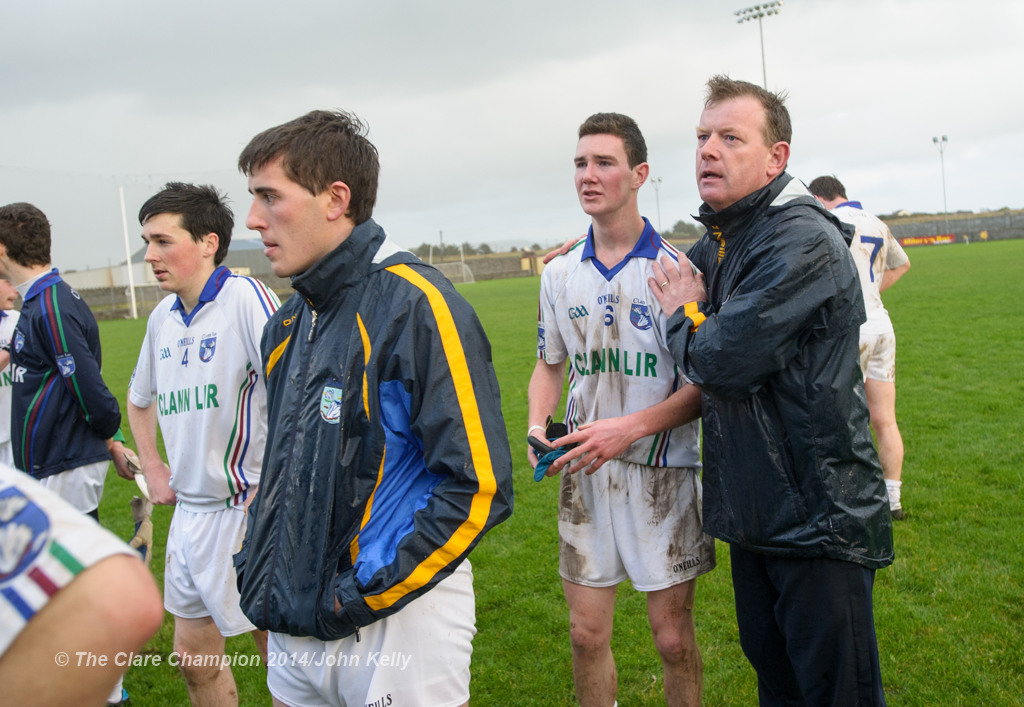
(807, 626)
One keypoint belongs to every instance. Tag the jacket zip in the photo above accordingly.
(298, 404)
(312, 329)
(312, 324)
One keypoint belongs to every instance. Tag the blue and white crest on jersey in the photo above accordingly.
(207, 346)
(640, 316)
(330, 404)
(66, 365)
(541, 343)
(24, 531)
(19, 341)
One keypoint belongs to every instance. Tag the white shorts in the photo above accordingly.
(7, 454)
(418, 657)
(635, 521)
(878, 357)
(46, 543)
(199, 575)
(81, 487)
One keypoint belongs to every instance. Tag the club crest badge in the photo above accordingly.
(330, 404)
(24, 533)
(640, 316)
(207, 347)
(66, 365)
(541, 342)
(19, 341)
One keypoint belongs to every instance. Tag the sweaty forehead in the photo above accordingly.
(161, 223)
(739, 112)
(601, 145)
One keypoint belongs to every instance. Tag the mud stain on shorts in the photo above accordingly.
(570, 501)
(573, 564)
(662, 491)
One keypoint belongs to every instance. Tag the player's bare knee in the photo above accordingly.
(675, 640)
(199, 669)
(676, 648)
(588, 639)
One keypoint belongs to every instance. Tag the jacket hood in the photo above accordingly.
(341, 268)
(781, 193)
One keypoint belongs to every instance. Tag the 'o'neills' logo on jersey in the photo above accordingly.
(207, 346)
(640, 316)
(66, 365)
(19, 341)
(330, 404)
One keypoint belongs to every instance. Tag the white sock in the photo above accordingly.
(893, 487)
(115, 695)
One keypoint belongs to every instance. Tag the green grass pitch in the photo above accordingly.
(948, 612)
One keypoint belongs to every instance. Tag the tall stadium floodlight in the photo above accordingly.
(759, 12)
(941, 144)
(656, 183)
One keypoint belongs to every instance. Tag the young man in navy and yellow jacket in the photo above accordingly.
(387, 458)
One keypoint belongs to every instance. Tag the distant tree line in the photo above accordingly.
(684, 230)
(449, 251)
(681, 231)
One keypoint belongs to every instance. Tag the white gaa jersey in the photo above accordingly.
(611, 331)
(8, 320)
(875, 250)
(204, 373)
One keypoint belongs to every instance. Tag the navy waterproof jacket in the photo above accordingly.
(387, 457)
(789, 464)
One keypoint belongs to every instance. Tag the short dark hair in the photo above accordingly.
(777, 124)
(25, 233)
(318, 149)
(621, 126)
(202, 210)
(827, 188)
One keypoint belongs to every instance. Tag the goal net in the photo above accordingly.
(456, 272)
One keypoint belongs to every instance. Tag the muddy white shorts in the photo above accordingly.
(44, 544)
(81, 487)
(418, 657)
(199, 575)
(878, 356)
(635, 521)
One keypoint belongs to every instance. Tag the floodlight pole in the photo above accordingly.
(656, 183)
(941, 144)
(759, 12)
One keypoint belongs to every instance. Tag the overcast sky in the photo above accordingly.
(474, 105)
